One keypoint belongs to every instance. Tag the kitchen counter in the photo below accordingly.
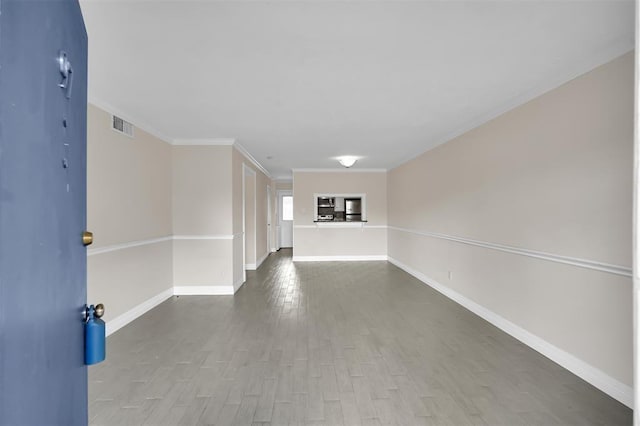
(338, 224)
(339, 221)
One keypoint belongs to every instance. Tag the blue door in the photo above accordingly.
(43, 103)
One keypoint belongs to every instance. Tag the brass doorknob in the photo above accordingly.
(87, 238)
(99, 310)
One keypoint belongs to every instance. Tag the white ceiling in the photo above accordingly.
(303, 82)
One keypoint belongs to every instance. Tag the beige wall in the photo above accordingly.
(317, 241)
(250, 218)
(202, 190)
(274, 217)
(283, 185)
(262, 181)
(262, 229)
(554, 176)
(124, 279)
(165, 219)
(128, 201)
(129, 183)
(238, 246)
(202, 221)
(202, 263)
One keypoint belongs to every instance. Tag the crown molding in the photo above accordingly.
(153, 131)
(242, 150)
(578, 69)
(204, 142)
(136, 121)
(105, 106)
(339, 170)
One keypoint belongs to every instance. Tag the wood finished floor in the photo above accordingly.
(340, 343)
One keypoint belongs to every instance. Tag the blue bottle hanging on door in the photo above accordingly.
(94, 335)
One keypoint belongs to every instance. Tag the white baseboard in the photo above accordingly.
(137, 311)
(273, 249)
(254, 266)
(262, 259)
(238, 284)
(121, 320)
(203, 290)
(587, 372)
(339, 258)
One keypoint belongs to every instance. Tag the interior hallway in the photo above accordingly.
(332, 343)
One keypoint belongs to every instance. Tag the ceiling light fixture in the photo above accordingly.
(347, 160)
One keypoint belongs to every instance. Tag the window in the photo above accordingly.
(287, 207)
(337, 208)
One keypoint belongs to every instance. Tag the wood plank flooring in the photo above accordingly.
(332, 343)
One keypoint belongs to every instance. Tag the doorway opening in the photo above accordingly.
(285, 219)
(248, 220)
(270, 246)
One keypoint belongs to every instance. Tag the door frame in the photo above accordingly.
(276, 207)
(281, 193)
(269, 220)
(247, 171)
(636, 233)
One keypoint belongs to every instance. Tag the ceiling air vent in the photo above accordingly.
(122, 126)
